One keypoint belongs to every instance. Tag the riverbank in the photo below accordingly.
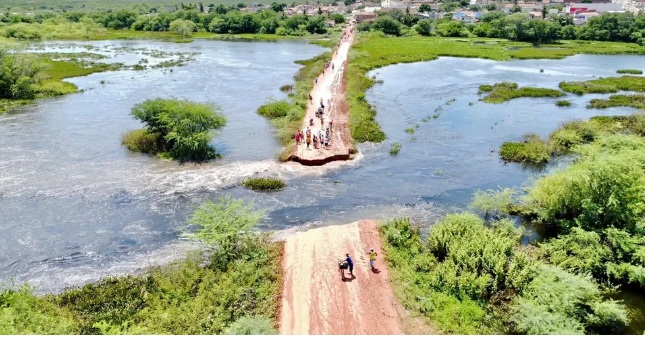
(372, 51)
(327, 105)
(53, 84)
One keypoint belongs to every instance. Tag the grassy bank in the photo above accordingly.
(506, 91)
(51, 80)
(233, 287)
(474, 277)
(374, 50)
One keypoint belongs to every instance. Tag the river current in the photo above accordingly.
(75, 205)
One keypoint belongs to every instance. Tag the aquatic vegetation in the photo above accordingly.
(264, 184)
(563, 103)
(634, 101)
(395, 148)
(409, 130)
(275, 109)
(629, 71)
(286, 88)
(506, 91)
(182, 129)
(209, 292)
(470, 276)
(605, 85)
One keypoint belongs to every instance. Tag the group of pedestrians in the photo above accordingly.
(319, 137)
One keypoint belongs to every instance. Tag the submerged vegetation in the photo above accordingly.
(179, 129)
(474, 277)
(506, 91)
(263, 184)
(605, 85)
(233, 287)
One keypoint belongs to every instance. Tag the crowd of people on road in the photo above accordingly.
(314, 137)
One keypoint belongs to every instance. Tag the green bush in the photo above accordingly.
(563, 103)
(493, 202)
(256, 325)
(184, 128)
(533, 150)
(275, 109)
(18, 75)
(142, 140)
(21, 312)
(629, 71)
(263, 184)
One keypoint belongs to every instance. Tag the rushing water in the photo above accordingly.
(75, 205)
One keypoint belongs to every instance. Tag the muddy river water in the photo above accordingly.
(75, 205)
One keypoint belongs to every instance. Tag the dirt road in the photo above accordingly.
(316, 300)
(329, 89)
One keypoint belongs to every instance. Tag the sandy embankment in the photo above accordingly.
(316, 300)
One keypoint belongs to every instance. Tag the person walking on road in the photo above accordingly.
(372, 258)
(350, 263)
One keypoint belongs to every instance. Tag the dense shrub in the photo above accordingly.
(184, 128)
(263, 184)
(471, 277)
(19, 75)
(23, 313)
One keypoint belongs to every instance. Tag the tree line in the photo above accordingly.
(618, 27)
(219, 19)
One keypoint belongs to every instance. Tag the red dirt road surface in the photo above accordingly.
(316, 300)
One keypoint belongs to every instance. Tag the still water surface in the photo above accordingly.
(75, 205)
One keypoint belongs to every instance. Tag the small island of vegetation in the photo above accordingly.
(634, 101)
(177, 129)
(629, 71)
(263, 184)
(563, 103)
(506, 91)
(605, 85)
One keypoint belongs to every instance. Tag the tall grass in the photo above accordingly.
(634, 101)
(629, 71)
(263, 184)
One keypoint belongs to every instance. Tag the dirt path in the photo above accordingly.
(316, 300)
(330, 88)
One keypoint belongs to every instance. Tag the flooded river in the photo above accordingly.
(75, 205)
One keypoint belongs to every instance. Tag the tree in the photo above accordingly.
(276, 7)
(184, 28)
(424, 27)
(183, 129)
(19, 75)
(388, 25)
(425, 8)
